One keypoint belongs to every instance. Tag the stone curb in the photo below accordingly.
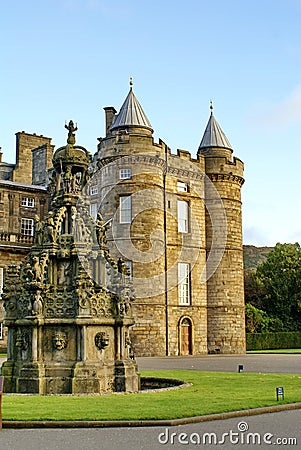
(148, 423)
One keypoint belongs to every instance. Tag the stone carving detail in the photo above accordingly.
(59, 340)
(37, 304)
(79, 230)
(101, 340)
(38, 231)
(71, 132)
(12, 291)
(22, 340)
(101, 306)
(64, 273)
(60, 303)
(101, 229)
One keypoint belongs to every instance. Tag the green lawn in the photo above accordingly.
(211, 392)
(281, 350)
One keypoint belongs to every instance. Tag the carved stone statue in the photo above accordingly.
(27, 275)
(49, 228)
(77, 182)
(37, 269)
(38, 231)
(64, 272)
(101, 230)
(71, 132)
(67, 180)
(37, 304)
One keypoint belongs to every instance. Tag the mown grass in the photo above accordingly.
(211, 392)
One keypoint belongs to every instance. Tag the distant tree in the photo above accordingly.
(254, 289)
(279, 279)
(257, 321)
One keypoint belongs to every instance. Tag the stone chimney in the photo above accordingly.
(110, 114)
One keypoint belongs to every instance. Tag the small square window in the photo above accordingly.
(94, 190)
(182, 187)
(28, 202)
(125, 174)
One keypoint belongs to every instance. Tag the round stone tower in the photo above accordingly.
(154, 201)
(225, 287)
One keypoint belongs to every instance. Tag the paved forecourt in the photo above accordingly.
(265, 363)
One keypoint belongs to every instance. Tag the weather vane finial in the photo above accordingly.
(211, 106)
(131, 81)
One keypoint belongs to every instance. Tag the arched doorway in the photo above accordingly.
(185, 332)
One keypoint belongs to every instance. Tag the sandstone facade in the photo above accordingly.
(157, 242)
(23, 195)
(176, 221)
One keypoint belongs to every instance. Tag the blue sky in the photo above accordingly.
(63, 59)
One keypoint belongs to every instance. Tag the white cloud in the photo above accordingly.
(253, 235)
(282, 114)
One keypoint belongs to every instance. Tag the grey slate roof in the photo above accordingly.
(214, 135)
(131, 114)
(22, 185)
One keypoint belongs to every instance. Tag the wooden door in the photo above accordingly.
(185, 336)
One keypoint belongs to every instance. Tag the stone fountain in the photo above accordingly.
(68, 306)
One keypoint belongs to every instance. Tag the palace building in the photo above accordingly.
(175, 220)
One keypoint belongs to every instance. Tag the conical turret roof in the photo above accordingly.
(214, 135)
(131, 114)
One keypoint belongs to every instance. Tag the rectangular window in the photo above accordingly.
(94, 190)
(1, 331)
(125, 209)
(125, 174)
(1, 280)
(27, 227)
(182, 216)
(184, 283)
(28, 201)
(94, 210)
(182, 187)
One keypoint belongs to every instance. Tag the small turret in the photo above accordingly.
(131, 116)
(225, 293)
(214, 141)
